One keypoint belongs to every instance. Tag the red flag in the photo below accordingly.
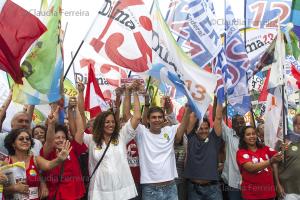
(94, 100)
(264, 92)
(296, 75)
(18, 30)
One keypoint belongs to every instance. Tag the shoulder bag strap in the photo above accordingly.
(96, 167)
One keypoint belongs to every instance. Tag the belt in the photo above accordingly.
(205, 184)
(162, 183)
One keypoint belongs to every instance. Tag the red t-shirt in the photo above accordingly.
(71, 186)
(258, 185)
(32, 179)
(133, 160)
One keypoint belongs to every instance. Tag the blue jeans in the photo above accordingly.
(155, 192)
(198, 192)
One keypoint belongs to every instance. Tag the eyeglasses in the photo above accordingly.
(24, 138)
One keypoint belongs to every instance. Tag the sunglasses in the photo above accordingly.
(24, 138)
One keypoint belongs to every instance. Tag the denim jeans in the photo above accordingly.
(210, 192)
(164, 192)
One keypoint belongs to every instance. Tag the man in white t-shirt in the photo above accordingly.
(157, 155)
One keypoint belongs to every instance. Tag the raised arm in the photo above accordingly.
(170, 115)
(183, 125)
(126, 105)
(79, 126)
(145, 110)
(136, 118)
(71, 115)
(80, 99)
(5, 105)
(192, 123)
(52, 118)
(117, 104)
(30, 110)
(218, 120)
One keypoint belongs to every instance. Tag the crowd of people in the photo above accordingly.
(147, 154)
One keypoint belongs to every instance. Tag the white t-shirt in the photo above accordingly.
(156, 153)
(112, 180)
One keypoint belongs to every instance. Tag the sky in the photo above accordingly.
(78, 16)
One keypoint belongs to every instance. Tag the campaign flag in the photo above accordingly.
(293, 73)
(296, 30)
(274, 99)
(121, 34)
(276, 76)
(166, 86)
(264, 92)
(94, 101)
(199, 82)
(262, 60)
(268, 13)
(41, 64)
(296, 13)
(220, 68)
(238, 64)
(294, 45)
(43, 67)
(192, 23)
(272, 117)
(18, 30)
(107, 74)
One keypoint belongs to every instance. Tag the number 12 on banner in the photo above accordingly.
(267, 14)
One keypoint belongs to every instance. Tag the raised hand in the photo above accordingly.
(119, 91)
(72, 102)
(137, 86)
(168, 104)
(63, 154)
(52, 117)
(80, 87)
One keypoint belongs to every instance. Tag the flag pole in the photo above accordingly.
(284, 97)
(283, 120)
(245, 42)
(73, 66)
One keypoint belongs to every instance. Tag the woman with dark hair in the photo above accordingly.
(65, 181)
(39, 133)
(18, 143)
(255, 161)
(112, 179)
